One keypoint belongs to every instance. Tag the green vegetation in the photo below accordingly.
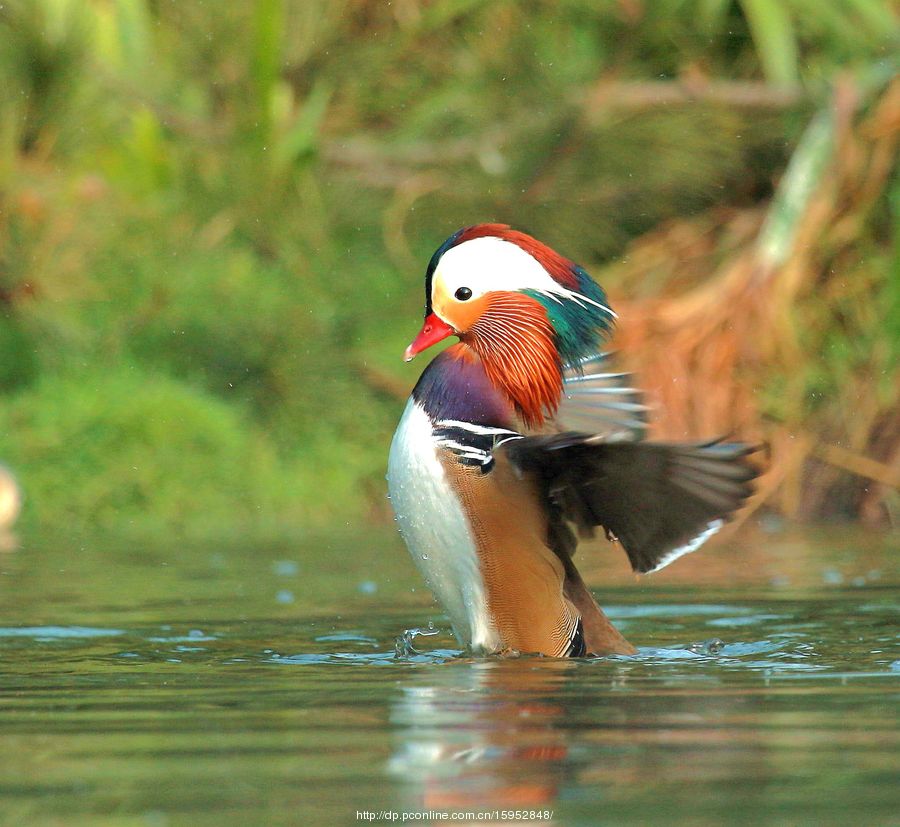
(214, 219)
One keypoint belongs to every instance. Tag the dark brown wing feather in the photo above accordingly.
(660, 500)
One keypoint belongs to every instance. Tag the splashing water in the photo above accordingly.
(708, 647)
(403, 645)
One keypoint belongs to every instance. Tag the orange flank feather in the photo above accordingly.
(515, 341)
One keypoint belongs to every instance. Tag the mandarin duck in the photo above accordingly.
(519, 438)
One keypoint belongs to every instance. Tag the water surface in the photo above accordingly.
(264, 684)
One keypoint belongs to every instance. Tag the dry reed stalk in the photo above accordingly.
(704, 353)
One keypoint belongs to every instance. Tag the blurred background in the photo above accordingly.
(215, 218)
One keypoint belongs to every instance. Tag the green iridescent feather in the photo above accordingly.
(580, 327)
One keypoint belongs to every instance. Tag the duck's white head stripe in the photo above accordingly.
(488, 263)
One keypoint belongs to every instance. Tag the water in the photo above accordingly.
(267, 685)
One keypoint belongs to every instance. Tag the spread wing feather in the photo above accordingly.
(660, 500)
(601, 401)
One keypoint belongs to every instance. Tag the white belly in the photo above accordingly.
(434, 526)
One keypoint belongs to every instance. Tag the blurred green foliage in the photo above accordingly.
(214, 217)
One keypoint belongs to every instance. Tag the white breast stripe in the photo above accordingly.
(471, 426)
(464, 450)
(500, 442)
(472, 442)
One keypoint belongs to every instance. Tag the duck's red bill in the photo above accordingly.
(433, 330)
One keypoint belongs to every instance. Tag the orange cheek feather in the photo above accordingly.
(512, 335)
(459, 315)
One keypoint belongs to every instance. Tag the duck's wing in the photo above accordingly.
(659, 500)
(599, 400)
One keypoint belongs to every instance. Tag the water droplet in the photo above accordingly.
(832, 577)
(285, 568)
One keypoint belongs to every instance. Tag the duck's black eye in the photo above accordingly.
(463, 294)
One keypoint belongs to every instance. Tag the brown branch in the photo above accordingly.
(642, 95)
(382, 382)
(386, 163)
(857, 464)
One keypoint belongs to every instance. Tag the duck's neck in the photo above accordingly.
(456, 386)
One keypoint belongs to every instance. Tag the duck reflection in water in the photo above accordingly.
(480, 735)
(574, 737)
